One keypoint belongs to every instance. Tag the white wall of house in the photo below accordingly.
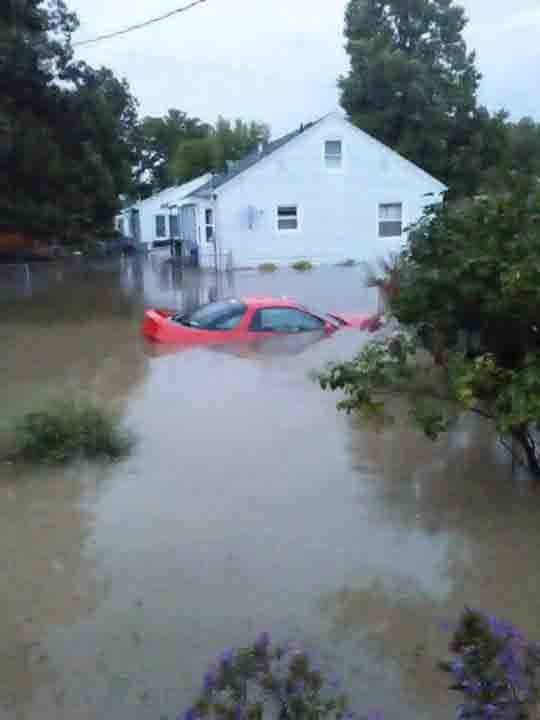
(337, 208)
(151, 208)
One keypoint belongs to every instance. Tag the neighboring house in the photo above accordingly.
(326, 192)
(155, 220)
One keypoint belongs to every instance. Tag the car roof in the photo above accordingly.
(263, 301)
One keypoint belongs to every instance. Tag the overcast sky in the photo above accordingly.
(277, 61)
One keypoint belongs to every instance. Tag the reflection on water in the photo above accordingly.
(248, 504)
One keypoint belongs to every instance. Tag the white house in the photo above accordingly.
(326, 192)
(156, 219)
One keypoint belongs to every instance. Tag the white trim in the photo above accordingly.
(287, 231)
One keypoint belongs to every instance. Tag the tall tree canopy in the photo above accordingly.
(65, 129)
(413, 85)
(177, 148)
(226, 142)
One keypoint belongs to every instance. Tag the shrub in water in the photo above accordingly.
(270, 682)
(302, 265)
(67, 430)
(347, 263)
(267, 267)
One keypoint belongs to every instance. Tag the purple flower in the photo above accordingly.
(446, 626)
(263, 641)
(489, 711)
(238, 712)
(375, 715)
(299, 686)
(227, 656)
(189, 714)
(209, 681)
(458, 668)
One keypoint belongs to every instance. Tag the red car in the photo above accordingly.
(244, 319)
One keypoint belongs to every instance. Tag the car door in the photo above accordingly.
(283, 320)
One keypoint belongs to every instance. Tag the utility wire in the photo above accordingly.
(139, 26)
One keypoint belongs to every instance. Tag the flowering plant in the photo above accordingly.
(496, 669)
(268, 681)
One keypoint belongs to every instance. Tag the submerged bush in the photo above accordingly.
(265, 681)
(69, 429)
(347, 263)
(302, 265)
(267, 267)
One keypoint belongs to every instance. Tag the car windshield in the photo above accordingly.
(216, 316)
(333, 319)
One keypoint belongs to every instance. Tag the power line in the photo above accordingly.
(139, 26)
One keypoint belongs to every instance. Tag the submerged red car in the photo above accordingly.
(244, 319)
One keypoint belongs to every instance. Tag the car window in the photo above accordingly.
(284, 319)
(216, 316)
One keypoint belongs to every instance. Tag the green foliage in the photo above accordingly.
(177, 148)
(65, 129)
(496, 668)
(267, 267)
(302, 266)
(413, 85)
(268, 681)
(468, 288)
(67, 430)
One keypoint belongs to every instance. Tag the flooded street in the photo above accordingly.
(248, 504)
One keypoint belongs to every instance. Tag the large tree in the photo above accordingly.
(413, 85)
(65, 149)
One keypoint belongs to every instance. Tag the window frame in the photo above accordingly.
(209, 226)
(285, 307)
(157, 234)
(325, 155)
(288, 230)
(379, 221)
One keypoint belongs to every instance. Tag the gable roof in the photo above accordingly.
(217, 181)
(253, 158)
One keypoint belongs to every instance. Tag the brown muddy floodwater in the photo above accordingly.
(248, 504)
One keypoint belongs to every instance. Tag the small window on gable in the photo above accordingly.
(161, 231)
(287, 217)
(390, 220)
(333, 154)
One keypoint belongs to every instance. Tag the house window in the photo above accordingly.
(161, 231)
(287, 217)
(390, 220)
(209, 224)
(333, 154)
(174, 225)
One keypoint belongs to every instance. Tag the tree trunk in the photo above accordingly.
(524, 438)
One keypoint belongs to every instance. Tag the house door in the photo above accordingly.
(188, 227)
(135, 225)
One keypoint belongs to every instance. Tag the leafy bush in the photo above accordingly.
(265, 681)
(467, 291)
(302, 265)
(267, 267)
(67, 430)
(496, 669)
(347, 263)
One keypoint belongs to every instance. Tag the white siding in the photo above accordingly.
(337, 208)
(152, 206)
